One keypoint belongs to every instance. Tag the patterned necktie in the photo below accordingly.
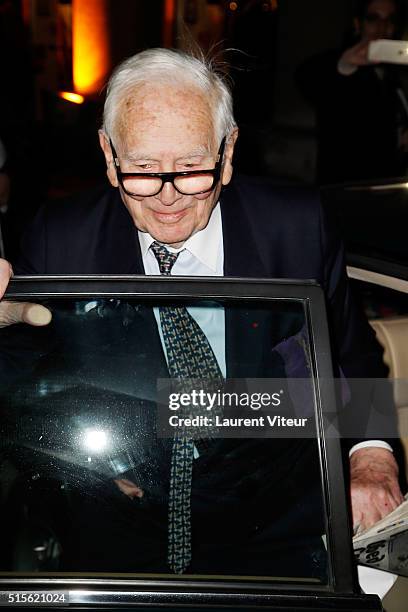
(189, 356)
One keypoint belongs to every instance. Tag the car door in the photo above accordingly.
(88, 419)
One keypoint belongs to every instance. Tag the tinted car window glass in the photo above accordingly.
(85, 472)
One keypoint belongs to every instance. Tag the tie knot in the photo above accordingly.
(165, 259)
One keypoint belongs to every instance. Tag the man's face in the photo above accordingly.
(379, 21)
(167, 129)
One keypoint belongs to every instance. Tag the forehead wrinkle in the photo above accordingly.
(157, 105)
(137, 155)
(198, 151)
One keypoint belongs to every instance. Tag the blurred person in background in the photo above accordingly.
(361, 109)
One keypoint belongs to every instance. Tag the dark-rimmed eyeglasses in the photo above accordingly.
(190, 182)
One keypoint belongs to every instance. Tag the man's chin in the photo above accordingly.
(173, 238)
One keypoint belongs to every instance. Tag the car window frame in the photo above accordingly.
(342, 572)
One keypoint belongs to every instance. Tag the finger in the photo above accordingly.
(6, 272)
(365, 520)
(363, 44)
(364, 509)
(357, 529)
(362, 52)
(23, 312)
(357, 514)
(389, 497)
(385, 506)
(396, 493)
(370, 517)
(357, 519)
(361, 49)
(362, 58)
(129, 488)
(391, 503)
(385, 501)
(36, 314)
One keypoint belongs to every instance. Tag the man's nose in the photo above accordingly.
(168, 195)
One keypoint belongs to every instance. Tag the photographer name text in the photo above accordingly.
(220, 421)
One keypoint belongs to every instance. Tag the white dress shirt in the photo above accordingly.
(203, 255)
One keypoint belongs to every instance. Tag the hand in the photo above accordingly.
(375, 490)
(19, 312)
(129, 488)
(354, 57)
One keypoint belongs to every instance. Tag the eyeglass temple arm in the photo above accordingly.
(114, 154)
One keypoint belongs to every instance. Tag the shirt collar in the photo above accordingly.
(204, 244)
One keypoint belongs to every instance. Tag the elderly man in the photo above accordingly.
(168, 138)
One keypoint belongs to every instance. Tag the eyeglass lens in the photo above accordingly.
(189, 185)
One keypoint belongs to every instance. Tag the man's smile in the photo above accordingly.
(170, 217)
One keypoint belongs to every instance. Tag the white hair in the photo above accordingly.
(170, 67)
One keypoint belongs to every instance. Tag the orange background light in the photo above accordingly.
(91, 48)
(71, 97)
(168, 22)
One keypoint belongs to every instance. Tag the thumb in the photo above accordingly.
(23, 312)
(5, 273)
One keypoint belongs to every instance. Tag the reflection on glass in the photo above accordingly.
(85, 477)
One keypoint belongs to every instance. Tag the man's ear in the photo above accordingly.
(110, 164)
(228, 155)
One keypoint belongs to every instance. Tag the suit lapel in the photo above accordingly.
(241, 255)
(138, 255)
(245, 329)
(129, 260)
(121, 245)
